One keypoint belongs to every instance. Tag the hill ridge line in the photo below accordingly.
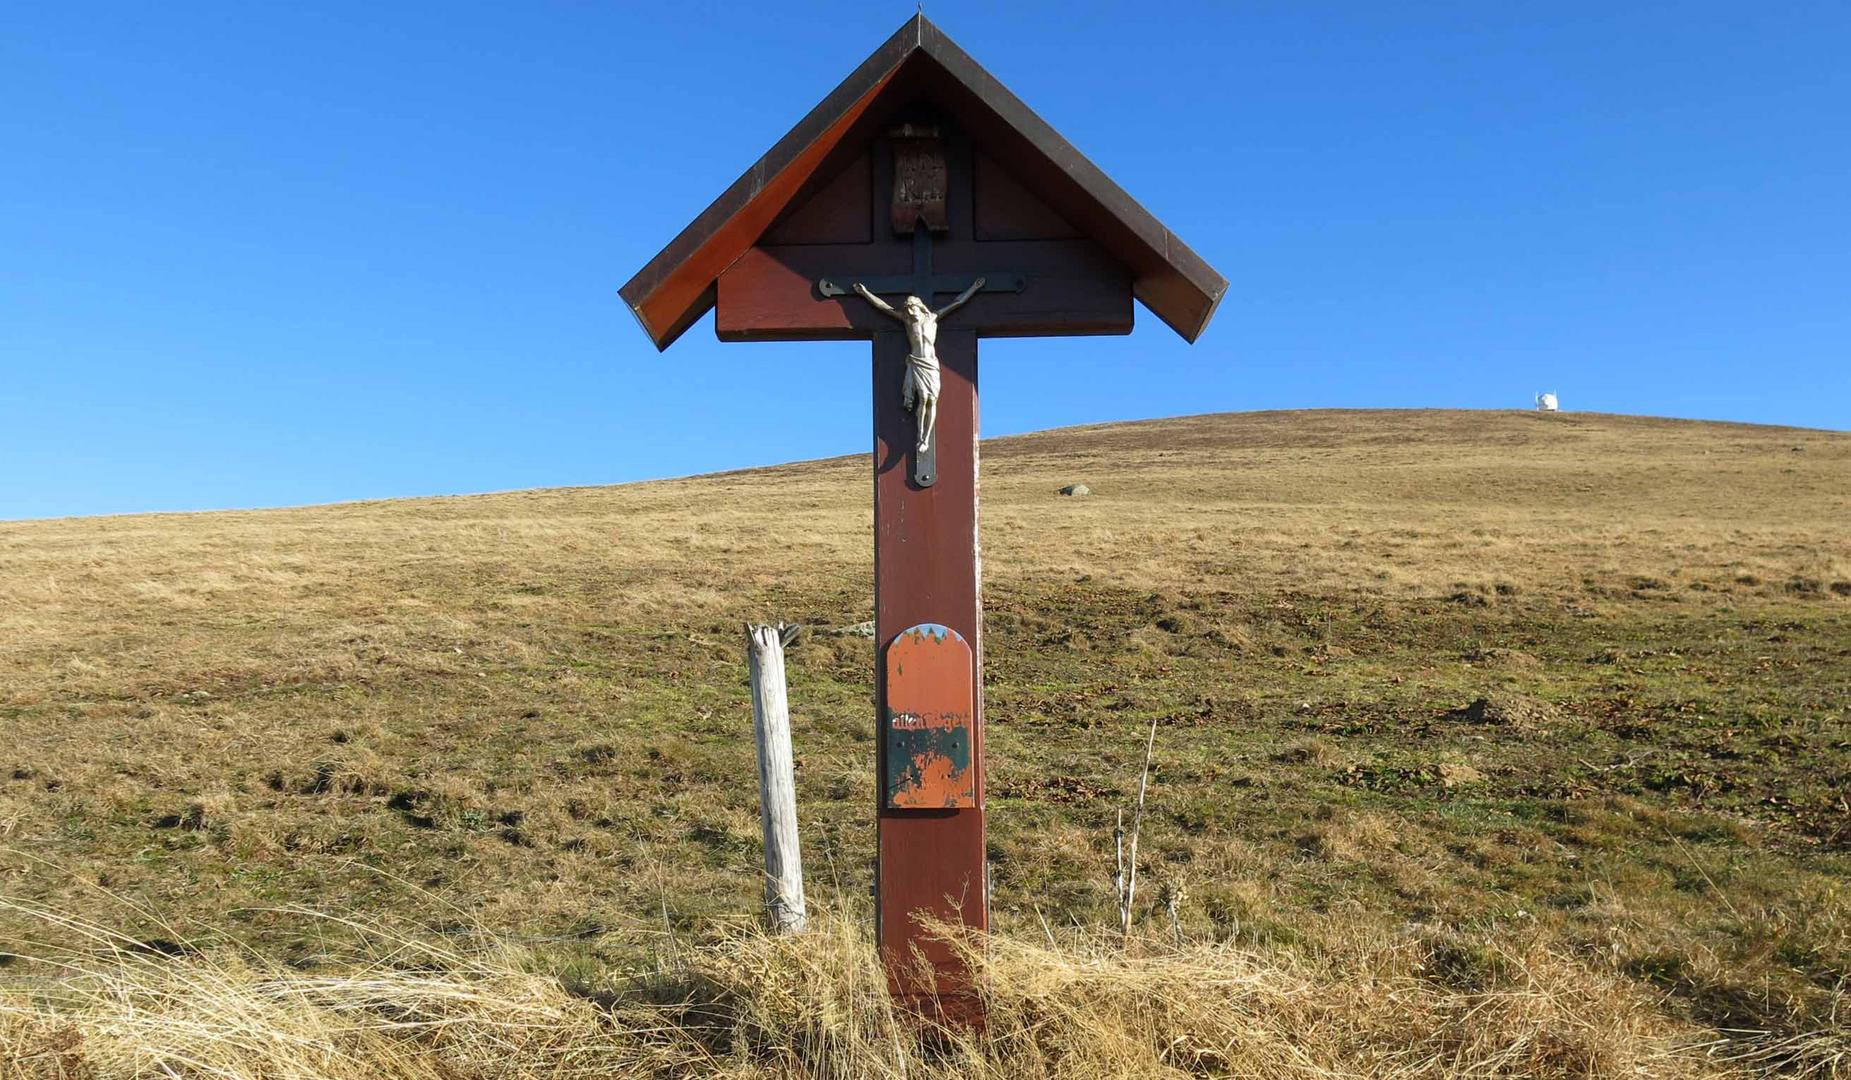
(1003, 442)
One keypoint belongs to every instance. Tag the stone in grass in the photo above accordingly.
(1506, 710)
(1076, 489)
(1453, 774)
(860, 629)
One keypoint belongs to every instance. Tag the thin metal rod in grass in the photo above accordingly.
(1126, 880)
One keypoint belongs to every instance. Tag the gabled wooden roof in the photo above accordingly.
(677, 287)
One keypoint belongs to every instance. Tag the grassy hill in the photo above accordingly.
(1434, 692)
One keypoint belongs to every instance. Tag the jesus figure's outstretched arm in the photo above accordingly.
(880, 305)
(962, 297)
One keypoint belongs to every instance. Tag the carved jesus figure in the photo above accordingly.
(920, 391)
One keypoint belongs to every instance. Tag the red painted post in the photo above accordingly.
(926, 571)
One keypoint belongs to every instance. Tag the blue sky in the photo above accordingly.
(266, 254)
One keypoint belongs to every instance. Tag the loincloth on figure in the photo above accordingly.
(921, 379)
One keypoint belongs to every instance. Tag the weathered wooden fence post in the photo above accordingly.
(777, 780)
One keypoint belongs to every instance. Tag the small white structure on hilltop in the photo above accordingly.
(1546, 402)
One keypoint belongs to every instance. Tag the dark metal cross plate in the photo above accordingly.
(922, 282)
(909, 285)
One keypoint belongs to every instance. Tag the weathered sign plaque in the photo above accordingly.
(930, 721)
(922, 206)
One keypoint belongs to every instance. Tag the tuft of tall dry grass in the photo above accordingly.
(1416, 1003)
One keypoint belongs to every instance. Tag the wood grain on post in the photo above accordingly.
(777, 780)
(932, 862)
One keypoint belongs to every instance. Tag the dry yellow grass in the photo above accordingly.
(1417, 505)
(1324, 501)
(1413, 1004)
(1574, 686)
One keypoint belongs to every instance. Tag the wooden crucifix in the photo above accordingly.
(920, 386)
(921, 177)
